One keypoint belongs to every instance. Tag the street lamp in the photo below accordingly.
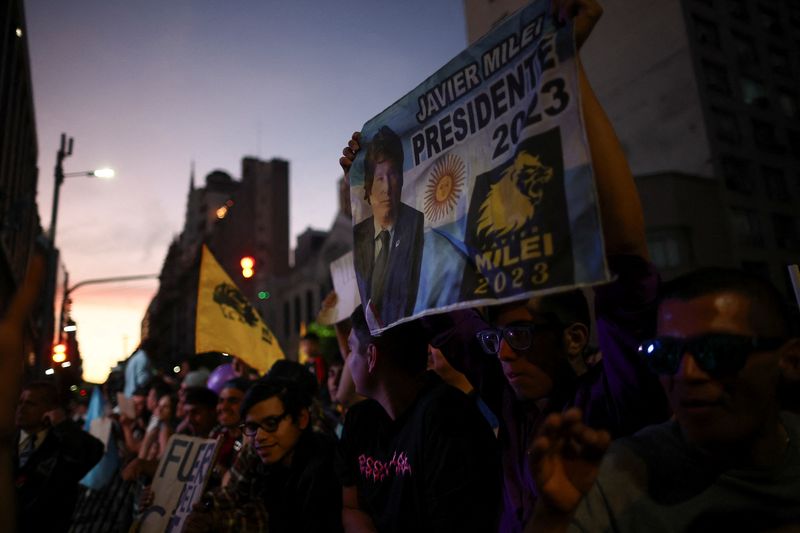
(64, 151)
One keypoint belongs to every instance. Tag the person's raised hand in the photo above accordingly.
(349, 154)
(12, 328)
(585, 14)
(565, 458)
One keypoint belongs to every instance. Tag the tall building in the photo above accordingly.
(236, 219)
(701, 90)
(19, 217)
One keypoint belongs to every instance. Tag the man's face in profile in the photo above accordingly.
(384, 196)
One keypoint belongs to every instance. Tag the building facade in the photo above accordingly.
(19, 217)
(707, 89)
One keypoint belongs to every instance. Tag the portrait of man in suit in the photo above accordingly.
(388, 244)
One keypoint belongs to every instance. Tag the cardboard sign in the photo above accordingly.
(179, 482)
(344, 284)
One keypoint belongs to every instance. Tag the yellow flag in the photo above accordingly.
(226, 322)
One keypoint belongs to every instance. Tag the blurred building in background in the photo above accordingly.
(246, 220)
(19, 216)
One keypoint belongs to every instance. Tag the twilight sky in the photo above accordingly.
(146, 87)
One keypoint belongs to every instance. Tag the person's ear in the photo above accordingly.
(372, 357)
(575, 338)
(303, 419)
(789, 361)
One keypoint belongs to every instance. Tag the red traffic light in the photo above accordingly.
(248, 265)
(59, 353)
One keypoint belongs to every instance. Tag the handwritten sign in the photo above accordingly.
(179, 482)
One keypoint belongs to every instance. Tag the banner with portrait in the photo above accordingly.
(476, 188)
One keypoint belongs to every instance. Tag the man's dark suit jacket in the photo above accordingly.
(47, 486)
(405, 258)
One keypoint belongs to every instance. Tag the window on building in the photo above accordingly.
(747, 227)
(775, 184)
(736, 172)
(738, 9)
(669, 248)
(778, 60)
(746, 51)
(754, 93)
(765, 137)
(727, 127)
(707, 32)
(716, 77)
(787, 231)
(787, 101)
(769, 19)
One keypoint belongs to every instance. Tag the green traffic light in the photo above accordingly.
(263, 295)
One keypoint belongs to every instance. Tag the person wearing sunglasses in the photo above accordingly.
(295, 487)
(730, 458)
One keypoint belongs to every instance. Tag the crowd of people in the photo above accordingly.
(683, 416)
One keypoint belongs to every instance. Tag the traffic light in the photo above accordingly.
(59, 353)
(248, 265)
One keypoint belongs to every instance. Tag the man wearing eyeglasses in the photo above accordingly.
(729, 461)
(295, 487)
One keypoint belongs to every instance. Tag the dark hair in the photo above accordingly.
(141, 390)
(161, 388)
(48, 391)
(769, 313)
(200, 396)
(294, 371)
(384, 146)
(310, 336)
(291, 394)
(563, 308)
(406, 344)
(241, 384)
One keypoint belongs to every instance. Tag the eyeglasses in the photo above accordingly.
(269, 424)
(519, 336)
(718, 354)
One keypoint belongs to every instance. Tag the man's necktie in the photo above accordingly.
(28, 447)
(379, 270)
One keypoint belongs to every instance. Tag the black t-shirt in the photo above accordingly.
(305, 496)
(435, 468)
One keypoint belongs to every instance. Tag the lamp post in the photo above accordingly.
(64, 151)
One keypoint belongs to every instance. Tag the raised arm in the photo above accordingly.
(620, 207)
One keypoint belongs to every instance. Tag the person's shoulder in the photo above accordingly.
(364, 412)
(365, 226)
(443, 402)
(408, 212)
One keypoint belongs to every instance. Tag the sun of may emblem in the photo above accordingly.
(444, 187)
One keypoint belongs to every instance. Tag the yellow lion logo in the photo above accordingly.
(512, 201)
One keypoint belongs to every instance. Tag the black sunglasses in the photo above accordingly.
(718, 354)
(518, 336)
(270, 424)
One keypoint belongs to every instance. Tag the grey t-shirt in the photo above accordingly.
(656, 481)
